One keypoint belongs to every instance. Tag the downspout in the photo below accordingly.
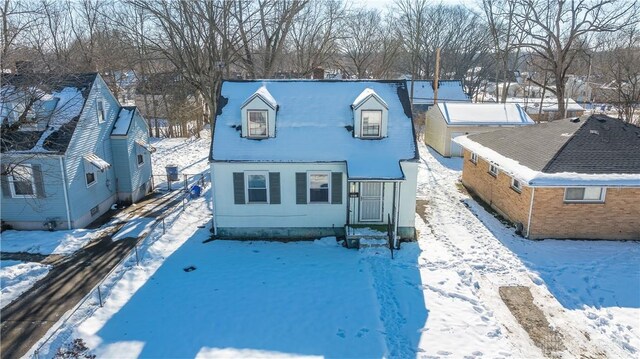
(533, 194)
(213, 206)
(66, 195)
(397, 210)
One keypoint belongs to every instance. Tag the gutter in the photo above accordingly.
(66, 195)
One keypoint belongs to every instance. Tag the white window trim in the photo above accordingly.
(328, 173)
(99, 104)
(246, 186)
(379, 135)
(513, 186)
(13, 188)
(603, 194)
(474, 158)
(494, 174)
(249, 135)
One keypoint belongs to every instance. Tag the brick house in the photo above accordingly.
(572, 178)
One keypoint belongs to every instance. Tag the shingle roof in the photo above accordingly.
(591, 145)
(57, 137)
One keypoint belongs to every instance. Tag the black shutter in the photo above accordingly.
(336, 187)
(301, 188)
(238, 188)
(39, 181)
(274, 187)
(6, 192)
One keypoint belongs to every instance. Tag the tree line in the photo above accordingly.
(179, 51)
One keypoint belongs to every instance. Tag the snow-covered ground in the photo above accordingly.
(437, 298)
(190, 155)
(16, 277)
(44, 242)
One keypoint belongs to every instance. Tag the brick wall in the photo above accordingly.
(617, 218)
(496, 191)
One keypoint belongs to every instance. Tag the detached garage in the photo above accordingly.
(449, 120)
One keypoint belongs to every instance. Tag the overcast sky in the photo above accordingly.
(382, 4)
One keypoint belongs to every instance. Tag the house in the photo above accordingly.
(571, 178)
(69, 151)
(546, 109)
(312, 158)
(449, 120)
(424, 95)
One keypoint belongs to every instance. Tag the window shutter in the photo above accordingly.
(6, 192)
(336, 187)
(301, 188)
(39, 181)
(238, 188)
(274, 187)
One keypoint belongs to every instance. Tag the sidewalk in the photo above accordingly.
(29, 317)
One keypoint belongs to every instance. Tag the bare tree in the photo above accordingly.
(557, 30)
(361, 42)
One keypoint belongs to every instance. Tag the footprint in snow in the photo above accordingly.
(362, 332)
(340, 333)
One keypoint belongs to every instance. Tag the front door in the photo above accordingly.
(370, 202)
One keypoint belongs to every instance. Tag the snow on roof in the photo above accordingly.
(483, 113)
(265, 95)
(69, 106)
(448, 91)
(540, 179)
(364, 95)
(548, 104)
(123, 122)
(98, 162)
(314, 124)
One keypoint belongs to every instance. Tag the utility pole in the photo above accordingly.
(437, 77)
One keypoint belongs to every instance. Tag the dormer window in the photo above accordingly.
(259, 115)
(257, 123)
(370, 115)
(371, 123)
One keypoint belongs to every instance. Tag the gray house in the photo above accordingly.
(69, 151)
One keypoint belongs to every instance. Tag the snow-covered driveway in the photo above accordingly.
(470, 254)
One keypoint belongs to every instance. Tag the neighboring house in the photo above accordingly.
(424, 94)
(306, 158)
(449, 120)
(571, 178)
(546, 109)
(78, 153)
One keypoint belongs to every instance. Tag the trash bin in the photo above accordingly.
(195, 191)
(172, 172)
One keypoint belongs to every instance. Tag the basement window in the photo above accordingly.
(493, 170)
(516, 185)
(584, 194)
(474, 158)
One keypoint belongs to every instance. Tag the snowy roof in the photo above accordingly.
(98, 162)
(265, 95)
(484, 114)
(66, 95)
(548, 104)
(314, 123)
(364, 96)
(595, 150)
(448, 91)
(123, 122)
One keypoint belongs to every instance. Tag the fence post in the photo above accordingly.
(99, 296)
(186, 186)
(137, 258)
(163, 229)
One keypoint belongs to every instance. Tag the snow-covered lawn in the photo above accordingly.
(16, 277)
(44, 242)
(437, 298)
(190, 155)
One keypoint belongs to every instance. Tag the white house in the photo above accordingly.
(307, 158)
(449, 120)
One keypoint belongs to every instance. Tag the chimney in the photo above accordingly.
(318, 73)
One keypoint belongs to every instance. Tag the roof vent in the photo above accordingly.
(601, 119)
(575, 120)
(595, 132)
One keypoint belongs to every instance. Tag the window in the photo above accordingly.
(493, 170)
(257, 188)
(100, 111)
(371, 122)
(584, 194)
(22, 183)
(140, 159)
(319, 187)
(474, 157)
(516, 185)
(89, 173)
(257, 123)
